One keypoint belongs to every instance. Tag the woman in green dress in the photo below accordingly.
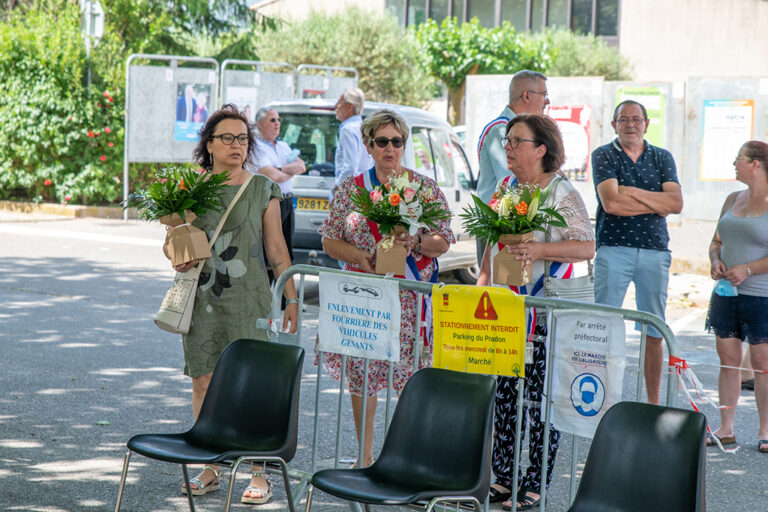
(233, 291)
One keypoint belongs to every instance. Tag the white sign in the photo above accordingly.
(588, 369)
(245, 98)
(359, 316)
(727, 125)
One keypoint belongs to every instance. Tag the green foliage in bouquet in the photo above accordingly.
(178, 190)
(511, 211)
(400, 203)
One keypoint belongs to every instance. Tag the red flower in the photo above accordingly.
(107, 130)
(91, 134)
(106, 94)
(111, 144)
(47, 183)
(103, 158)
(67, 198)
(110, 99)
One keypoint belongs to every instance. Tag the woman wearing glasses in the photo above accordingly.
(739, 257)
(233, 290)
(534, 149)
(349, 237)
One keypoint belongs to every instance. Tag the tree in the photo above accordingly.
(386, 58)
(584, 55)
(453, 50)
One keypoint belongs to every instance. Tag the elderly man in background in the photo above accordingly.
(351, 156)
(273, 159)
(527, 95)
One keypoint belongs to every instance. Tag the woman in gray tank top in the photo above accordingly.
(738, 309)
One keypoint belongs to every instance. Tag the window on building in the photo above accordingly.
(557, 13)
(607, 18)
(484, 11)
(581, 16)
(417, 12)
(438, 10)
(537, 15)
(514, 11)
(397, 7)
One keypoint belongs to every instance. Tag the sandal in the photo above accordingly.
(197, 485)
(263, 495)
(524, 502)
(723, 440)
(762, 446)
(496, 494)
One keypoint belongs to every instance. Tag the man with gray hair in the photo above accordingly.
(277, 161)
(352, 158)
(527, 95)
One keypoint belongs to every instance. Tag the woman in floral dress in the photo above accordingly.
(349, 237)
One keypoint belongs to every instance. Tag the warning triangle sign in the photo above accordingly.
(485, 309)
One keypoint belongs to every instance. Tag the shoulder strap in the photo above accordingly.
(223, 219)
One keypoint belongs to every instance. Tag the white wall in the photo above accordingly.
(676, 39)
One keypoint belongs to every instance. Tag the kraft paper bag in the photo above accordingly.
(506, 269)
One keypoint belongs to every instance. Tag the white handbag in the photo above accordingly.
(580, 289)
(175, 313)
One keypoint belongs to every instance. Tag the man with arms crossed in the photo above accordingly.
(637, 188)
(527, 95)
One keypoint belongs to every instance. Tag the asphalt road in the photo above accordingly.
(84, 368)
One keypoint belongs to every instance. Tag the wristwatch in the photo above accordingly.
(418, 244)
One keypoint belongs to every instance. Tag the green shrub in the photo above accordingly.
(584, 55)
(386, 58)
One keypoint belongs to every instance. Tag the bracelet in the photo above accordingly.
(749, 272)
(291, 301)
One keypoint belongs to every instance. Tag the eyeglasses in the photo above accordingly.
(514, 142)
(743, 159)
(382, 142)
(623, 121)
(545, 93)
(229, 138)
(274, 119)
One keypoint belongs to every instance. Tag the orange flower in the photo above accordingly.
(521, 208)
(184, 187)
(395, 199)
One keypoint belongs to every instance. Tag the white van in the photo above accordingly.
(311, 127)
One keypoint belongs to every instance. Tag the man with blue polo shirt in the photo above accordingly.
(527, 95)
(637, 187)
(351, 157)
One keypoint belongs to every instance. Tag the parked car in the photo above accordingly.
(433, 148)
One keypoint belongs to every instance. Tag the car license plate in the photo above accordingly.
(311, 204)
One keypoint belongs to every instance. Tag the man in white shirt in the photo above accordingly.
(351, 156)
(271, 158)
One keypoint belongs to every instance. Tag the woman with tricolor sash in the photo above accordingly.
(535, 154)
(350, 237)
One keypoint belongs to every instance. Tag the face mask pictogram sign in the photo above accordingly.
(479, 330)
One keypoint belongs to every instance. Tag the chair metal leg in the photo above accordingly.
(122, 480)
(185, 473)
(232, 475)
(311, 489)
(284, 470)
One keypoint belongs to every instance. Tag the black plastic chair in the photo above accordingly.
(437, 448)
(231, 428)
(645, 457)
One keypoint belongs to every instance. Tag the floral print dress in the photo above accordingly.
(343, 223)
(233, 291)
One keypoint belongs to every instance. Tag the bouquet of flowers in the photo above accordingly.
(176, 199)
(512, 215)
(399, 206)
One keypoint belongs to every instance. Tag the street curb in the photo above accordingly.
(67, 210)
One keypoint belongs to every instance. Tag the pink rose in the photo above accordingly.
(494, 204)
(376, 196)
(408, 194)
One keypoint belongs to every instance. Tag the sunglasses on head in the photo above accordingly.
(382, 142)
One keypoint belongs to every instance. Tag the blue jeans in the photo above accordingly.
(616, 267)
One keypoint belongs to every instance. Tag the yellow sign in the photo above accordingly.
(479, 330)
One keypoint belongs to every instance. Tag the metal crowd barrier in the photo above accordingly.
(548, 304)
